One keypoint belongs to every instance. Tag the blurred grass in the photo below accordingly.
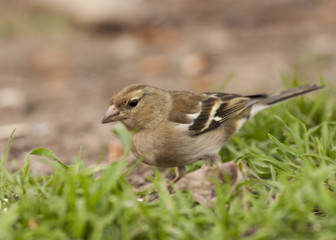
(289, 194)
(20, 20)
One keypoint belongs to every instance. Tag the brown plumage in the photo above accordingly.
(176, 128)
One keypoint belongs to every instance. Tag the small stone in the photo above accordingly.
(101, 11)
(11, 98)
(154, 65)
(21, 130)
(194, 64)
(126, 47)
(44, 128)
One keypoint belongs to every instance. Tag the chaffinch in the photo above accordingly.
(177, 128)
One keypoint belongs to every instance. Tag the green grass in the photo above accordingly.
(290, 153)
(25, 21)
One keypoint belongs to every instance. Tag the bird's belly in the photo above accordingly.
(183, 156)
(170, 150)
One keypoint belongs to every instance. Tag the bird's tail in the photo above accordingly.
(267, 100)
(288, 94)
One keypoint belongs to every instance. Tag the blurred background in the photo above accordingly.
(60, 61)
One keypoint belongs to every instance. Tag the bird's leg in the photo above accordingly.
(180, 172)
(215, 160)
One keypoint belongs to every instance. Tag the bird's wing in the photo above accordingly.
(200, 113)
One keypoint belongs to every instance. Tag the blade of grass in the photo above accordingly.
(120, 131)
(4, 161)
(43, 152)
(283, 146)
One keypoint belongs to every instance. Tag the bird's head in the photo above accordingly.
(138, 106)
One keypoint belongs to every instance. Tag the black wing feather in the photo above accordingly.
(231, 106)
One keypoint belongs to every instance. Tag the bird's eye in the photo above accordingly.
(133, 103)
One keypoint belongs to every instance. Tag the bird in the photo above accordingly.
(176, 128)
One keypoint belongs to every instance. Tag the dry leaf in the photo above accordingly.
(201, 186)
(115, 150)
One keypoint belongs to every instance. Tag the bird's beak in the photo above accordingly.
(112, 115)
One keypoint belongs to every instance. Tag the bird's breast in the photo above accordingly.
(142, 146)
